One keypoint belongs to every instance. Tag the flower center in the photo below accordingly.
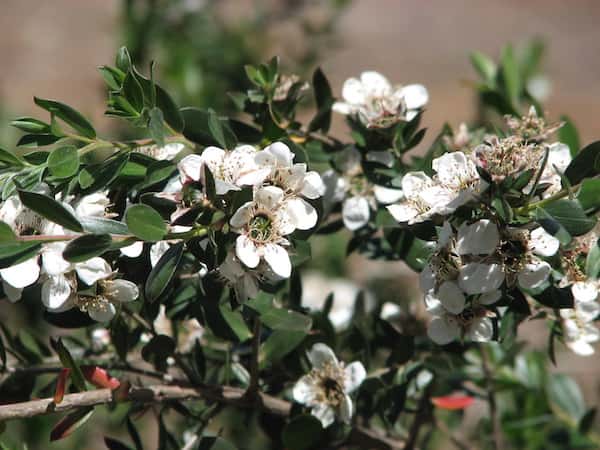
(330, 383)
(260, 228)
(97, 303)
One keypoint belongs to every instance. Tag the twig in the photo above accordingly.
(163, 393)
(421, 417)
(254, 366)
(491, 395)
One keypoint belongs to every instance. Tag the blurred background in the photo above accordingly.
(51, 49)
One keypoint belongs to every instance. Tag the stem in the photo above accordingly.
(560, 194)
(422, 415)
(491, 394)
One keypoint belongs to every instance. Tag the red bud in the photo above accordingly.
(99, 377)
(452, 402)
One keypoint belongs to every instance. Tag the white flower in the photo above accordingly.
(579, 332)
(471, 323)
(99, 339)
(479, 238)
(166, 152)
(480, 278)
(93, 205)
(559, 158)
(422, 199)
(231, 170)
(296, 182)
(358, 195)
(585, 291)
(377, 103)
(262, 225)
(458, 174)
(326, 388)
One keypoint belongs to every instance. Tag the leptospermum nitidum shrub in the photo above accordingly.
(180, 255)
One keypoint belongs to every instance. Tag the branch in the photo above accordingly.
(163, 393)
(495, 418)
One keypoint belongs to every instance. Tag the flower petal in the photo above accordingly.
(303, 215)
(157, 250)
(353, 92)
(584, 291)
(56, 293)
(479, 278)
(242, 216)
(92, 270)
(23, 274)
(246, 251)
(415, 96)
(134, 250)
(102, 311)
(481, 330)
(324, 413)
(441, 331)
(451, 297)
(346, 409)
(356, 212)
(313, 186)
(53, 262)
(122, 291)
(543, 243)
(385, 195)
(354, 375)
(190, 168)
(478, 238)
(375, 84)
(304, 390)
(278, 259)
(269, 197)
(321, 354)
(534, 274)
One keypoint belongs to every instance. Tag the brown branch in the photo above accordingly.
(422, 416)
(228, 395)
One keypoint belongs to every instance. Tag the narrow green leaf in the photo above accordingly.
(68, 115)
(68, 424)
(68, 362)
(163, 272)
(485, 67)
(51, 209)
(9, 159)
(86, 247)
(31, 125)
(145, 223)
(511, 76)
(567, 134)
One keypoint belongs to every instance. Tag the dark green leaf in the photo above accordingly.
(589, 194)
(113, 444)
(86, 247)
(68, 424)
(156, 126)
(302, 433)
(123, 60)
(12, 253)
(158, 350)
(6, 233)
(10, 159)
(145, 223)
(161, 274)
(221, 132)
(68, 115)
(279, 318)
(51, 209)
(592, 262)
(215, 443)
(279, 344)
(101, 225)
(169, 109)
(132, 92)
(586, 164)
(68, 362)
(31, 125)
(571, 216)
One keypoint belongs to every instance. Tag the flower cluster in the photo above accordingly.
(281, 190)
(378, 104)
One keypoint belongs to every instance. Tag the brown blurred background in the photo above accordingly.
(51, 49)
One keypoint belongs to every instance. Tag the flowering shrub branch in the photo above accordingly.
(184, 252)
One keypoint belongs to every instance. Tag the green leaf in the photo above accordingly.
(565, 398)
(567, 134)
(220, 131)
(31, 125)
(279, 318)
(279, 344)
(324, 100)
(132, 92)
(196, 126)
(51, 209)
(156, 126)
(10, 159)
(101, 225)
(511, 76)
(63, 162)
(214, 443)
(571, 216)
(552, 226)
(68, 362)
(145, 223)
(589, 194)
(68, 424)
(302, 433)
(12, 253)
(169, 109)
(86, 247)
(586, 164)
(485, 67)
(236, 322)
(97, 176)
(6, 233)
(161, 274)
(68, 115)
(592, 262)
